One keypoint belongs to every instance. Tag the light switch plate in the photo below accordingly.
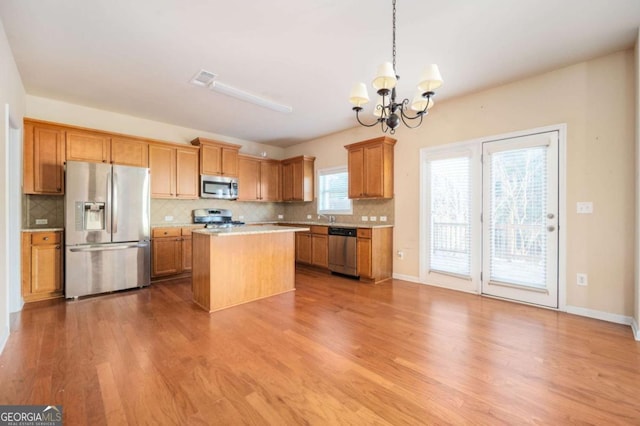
(582, 279)
(365, 218)
(168, 218)
(308, 216)
(373, 218)
(280, 216)
(42, 221)
(383, 218)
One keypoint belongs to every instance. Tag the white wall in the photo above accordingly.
(636, 311)
(596, 100)
(12, 98)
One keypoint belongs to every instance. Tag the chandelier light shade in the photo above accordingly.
(388, 112)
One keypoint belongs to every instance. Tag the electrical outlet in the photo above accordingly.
(383, 218)
(240, 217)
(308, 216)
(280, 216)
(365, 218)
(582, 279)
(42, 221)
(168, 218)
(400, 254)
(584, 207)
(373, 218)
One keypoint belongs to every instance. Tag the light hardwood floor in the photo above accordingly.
(334, 352)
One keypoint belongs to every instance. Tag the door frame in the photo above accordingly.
(475, 146)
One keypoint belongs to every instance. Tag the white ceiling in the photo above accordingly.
(137, 57)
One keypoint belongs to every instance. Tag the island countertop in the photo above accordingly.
(249, 230)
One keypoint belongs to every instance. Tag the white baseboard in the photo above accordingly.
(635, 328)
(604, 316)
(409, 278)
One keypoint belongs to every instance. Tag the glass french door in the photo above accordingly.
(520, 219)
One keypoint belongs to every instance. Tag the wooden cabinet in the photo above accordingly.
(320, 246)
(88, 146)
(303, 247)
(171, 251)
(41, 265)
(374, 254)
(312, 248)
(297, 178)
(217, 158)
(258, 179)
(43, 158)
(101, 147)
(370, 167)
(174, 171)
(129, 152)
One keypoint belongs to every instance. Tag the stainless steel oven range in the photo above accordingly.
(215, 218)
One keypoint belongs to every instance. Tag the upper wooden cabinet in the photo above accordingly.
(258, 179)
(174, 171)
(43, 157)
(129, 152)
(371, 168)
(88, 146)
(101, 147)
(217, 158)
(297, 178)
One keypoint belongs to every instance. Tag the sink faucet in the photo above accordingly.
(330, 218)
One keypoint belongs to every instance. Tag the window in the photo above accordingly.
(450, 202)
(333, 191)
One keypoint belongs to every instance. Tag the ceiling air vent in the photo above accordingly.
(203, 78)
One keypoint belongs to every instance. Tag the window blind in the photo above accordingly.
(517, 219)
(333, 191)
(450, 205)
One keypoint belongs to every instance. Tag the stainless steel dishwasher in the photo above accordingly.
(342, 250)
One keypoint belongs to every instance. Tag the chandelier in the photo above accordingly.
(389, 113)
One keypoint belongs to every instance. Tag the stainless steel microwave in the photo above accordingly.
(220, 187)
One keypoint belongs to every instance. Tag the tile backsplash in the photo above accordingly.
(51, 208)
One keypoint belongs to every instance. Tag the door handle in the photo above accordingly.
(108, 247)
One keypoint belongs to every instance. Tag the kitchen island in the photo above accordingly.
(237, 265)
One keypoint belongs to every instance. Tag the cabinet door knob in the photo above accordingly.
(45, 238)
(165, 232)
(57, 247)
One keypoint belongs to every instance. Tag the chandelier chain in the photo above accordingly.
(394, 36)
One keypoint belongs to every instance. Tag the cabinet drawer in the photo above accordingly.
(39, 238)
(364, 233)
(323, 230)
(165, 232)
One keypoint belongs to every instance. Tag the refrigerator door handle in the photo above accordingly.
(109, 199)
(114, 203)
(108, 247)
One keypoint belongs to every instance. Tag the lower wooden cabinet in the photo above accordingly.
(303, 247)
(320, 246)
(41, 265)
(170, 251)
(374, 254)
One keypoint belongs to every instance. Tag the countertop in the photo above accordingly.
(276, 222)
(43, 230)
(248, 230)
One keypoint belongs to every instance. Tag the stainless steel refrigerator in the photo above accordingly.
(107, 231)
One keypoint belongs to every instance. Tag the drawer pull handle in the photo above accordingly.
(45, 238)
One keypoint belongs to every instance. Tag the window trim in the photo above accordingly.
(329, 171)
